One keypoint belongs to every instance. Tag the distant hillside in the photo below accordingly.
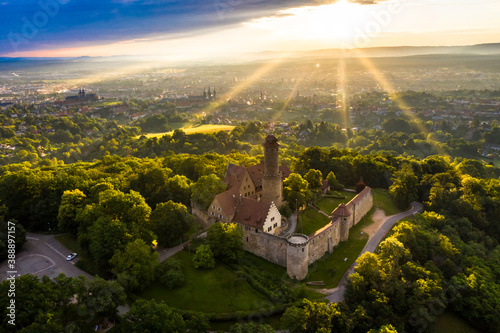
(474, 51)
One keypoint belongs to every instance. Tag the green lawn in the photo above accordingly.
(310, 220)
(328, 204)
(190, 128)
(450, 322)
(332, 267)
(212, 291)
(383, 200)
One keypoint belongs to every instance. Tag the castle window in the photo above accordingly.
(272, 219)
(270, 228)
(247, 239)
(302, 249)
(276, 225)
(256, 230)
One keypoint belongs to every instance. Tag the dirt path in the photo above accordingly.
(378, 219)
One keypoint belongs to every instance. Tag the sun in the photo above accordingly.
(335, 22)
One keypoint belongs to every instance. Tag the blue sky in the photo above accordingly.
(120, 27)
(83, 22)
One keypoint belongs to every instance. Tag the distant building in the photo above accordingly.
(82, 97)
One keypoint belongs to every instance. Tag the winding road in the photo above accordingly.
(337, 294)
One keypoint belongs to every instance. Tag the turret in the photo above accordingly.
(297, 256)
(343, 213)
(271, 181)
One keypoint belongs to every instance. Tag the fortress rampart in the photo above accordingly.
(296, 258)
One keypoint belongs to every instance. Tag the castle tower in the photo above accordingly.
(297, 256)
(215, 94)
(272, 186)
(342, 212)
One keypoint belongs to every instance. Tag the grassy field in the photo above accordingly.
(310, 220)
(332, 267)
(450, 322)
(383, 200)
(219, 290)
(212, 291)
(328, 204)
(190, 128)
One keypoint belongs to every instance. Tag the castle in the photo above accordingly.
(252, 199)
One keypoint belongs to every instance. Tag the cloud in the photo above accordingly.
(94, 22)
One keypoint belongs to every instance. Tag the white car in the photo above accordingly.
(71, 256)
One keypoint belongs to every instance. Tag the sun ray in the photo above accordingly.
(387, 86)
(241, 86)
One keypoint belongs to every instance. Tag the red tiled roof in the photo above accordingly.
(255, 172)
(285, 171)
(228, 201)
(234, 175)
(271, 141)
(252, 212)
(360, 196)
(341, 211)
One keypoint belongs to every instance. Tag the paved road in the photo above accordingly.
(293, 226)
(43, 255)
(371, 245)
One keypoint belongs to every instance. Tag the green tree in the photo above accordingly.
(19, 237)
(295, 190)
(71, 202)
(205, 189)
(170, 274)
(151, 316)
(99, 298)
(135, 267)
(179, 189)
(225, 240)
(334, 183)
(204, 258)
(170, 221)
(313, 178)
(404, 186)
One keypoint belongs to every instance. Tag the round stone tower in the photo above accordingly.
(272, 186)
(297, 256)
(343, 213)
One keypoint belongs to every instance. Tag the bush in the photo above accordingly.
(204, 257)
(170, 274)
(285, 211)
(360, 187)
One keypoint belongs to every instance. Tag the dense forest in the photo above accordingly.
(117, 206)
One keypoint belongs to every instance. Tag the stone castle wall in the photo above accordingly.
(202, 215)
(361, 205)
(267, 246)
(324, 240)
(277, 250)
